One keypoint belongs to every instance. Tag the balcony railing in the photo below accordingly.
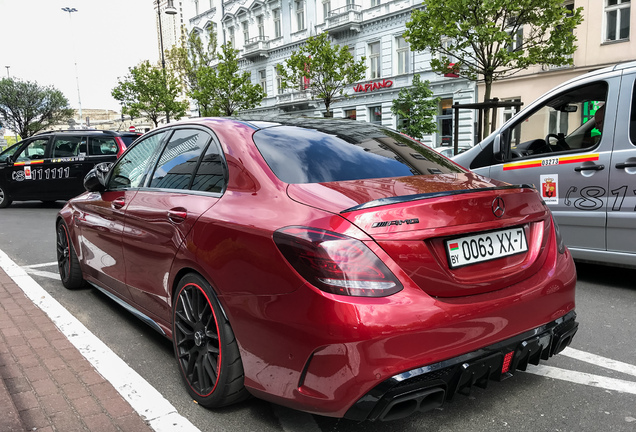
(257, 46)
(344, 19)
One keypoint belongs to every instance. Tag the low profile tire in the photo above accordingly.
(5, 201)
(67, 262)
(205, 347)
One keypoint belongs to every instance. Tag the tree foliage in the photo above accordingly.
(150, 91)
(484, 35)
(223, 90)
(322, 68)
(191, 56)
(27, 108)
(417, 106)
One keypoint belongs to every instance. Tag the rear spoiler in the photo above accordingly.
(417, 197)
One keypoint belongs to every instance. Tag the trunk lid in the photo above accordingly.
(416, 220)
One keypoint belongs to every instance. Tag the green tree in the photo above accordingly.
(190, 56)
(492, 39)
(417, 107)
(150, 91)
(322, 68)
(223, 90)
(27, 108)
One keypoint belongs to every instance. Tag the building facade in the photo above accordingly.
(267, 32)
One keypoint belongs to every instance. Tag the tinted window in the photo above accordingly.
(345, 151)
(180, 159)
(632, 118)
(128, 139)
(131, 167)
(67, 146)
(102, 146)
(210, 176)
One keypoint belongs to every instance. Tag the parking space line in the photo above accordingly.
(160, 414)
(48, 264)
(41, 273)
(597, 360)
(584, 378)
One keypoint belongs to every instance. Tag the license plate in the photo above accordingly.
(485, 247)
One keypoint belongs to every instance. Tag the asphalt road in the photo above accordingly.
(590, 387)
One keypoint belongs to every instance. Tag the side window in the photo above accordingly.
(632, 118)
(130, 169)
(98, 146)
(33, 151)
(67, 146)
(179, 159)
(210, 176)
(569, 122)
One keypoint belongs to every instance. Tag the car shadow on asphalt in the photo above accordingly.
(615, 277)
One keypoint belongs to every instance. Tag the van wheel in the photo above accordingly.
(5, 201)
(205, 347)
(67, 262)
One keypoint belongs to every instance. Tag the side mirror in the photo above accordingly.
(496, 149)
(95, 180)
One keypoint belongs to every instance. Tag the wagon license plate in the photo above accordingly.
(485, 247)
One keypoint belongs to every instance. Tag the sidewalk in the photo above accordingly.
(45, 383)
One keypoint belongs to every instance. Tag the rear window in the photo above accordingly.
(301, 155)
(128, 139)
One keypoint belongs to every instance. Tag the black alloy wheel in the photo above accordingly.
(67, 262)
(205, 347)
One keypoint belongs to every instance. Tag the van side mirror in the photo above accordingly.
(498, 154)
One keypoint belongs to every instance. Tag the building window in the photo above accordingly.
(326, 8)
(617, 19)
(374, 60)
(375, 3)
(300, 15)
(262, 78)
(350, 114)
(261, 26)
(230, 39)
(445, 121)
(277, 32)
(279, 81)
(246, 31)
(517, 40)
(402, 51)
(375, 114)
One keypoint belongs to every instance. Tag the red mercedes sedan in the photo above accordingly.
(332, 266)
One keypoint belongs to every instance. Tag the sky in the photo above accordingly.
(40, 43)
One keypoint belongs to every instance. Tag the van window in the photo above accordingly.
(632, 118)
(67, 146)
(34, 150)
(571, 121)
(98, 146)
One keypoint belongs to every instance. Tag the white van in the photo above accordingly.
(577, 145)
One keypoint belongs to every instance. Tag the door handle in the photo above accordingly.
(590, 168)
(118, 203)
(623, 165)
(177, 216)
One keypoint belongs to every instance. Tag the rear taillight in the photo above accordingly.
(336, 263)
(559, 238)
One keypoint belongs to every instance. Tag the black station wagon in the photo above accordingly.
(51, 166)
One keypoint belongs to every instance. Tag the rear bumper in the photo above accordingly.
(428, 387)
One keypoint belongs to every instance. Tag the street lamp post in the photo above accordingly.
(79, 99)
(170, 10)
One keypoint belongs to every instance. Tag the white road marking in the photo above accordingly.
(49, 264)
(42, 273)
(143, 397)
(597, 360)
(584, 378)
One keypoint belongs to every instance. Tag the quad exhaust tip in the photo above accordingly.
(422, 401)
